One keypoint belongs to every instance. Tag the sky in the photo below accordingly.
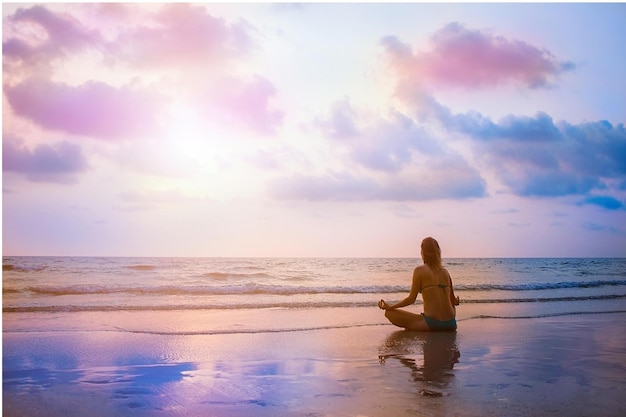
(314, 129)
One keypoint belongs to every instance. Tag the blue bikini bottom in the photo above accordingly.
(434, 325)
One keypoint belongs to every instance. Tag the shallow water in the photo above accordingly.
(53, 286)
(566, 365)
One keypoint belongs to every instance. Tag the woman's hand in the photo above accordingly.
(383, 305)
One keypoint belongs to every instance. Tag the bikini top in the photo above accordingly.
(435, 285)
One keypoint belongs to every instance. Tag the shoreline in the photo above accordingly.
(562, 365)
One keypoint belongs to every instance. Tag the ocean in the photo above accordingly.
(45, 293)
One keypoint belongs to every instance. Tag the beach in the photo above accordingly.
(254, 337)
(566, 365)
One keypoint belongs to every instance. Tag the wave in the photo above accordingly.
(537, 286)
(217, 332)
(184, 307)
(269, 305)
(541, 316)
(141, 267)
(252, 288)
(22, 268)
(544, 299)
(241, 289)
(223, 276)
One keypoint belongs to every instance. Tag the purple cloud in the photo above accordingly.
(537, 157)
(340, 123)
(395, 158)
(332, 187)
(377, 143)
(51, 36)
(551, 183)
(595, 148)
(57, 163)
(539, 128)
(595, 227)
(91, 109)
(460, 182)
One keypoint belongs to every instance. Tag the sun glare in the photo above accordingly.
(186, 132)
(217, 157)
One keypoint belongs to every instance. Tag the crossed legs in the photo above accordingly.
(410, 321)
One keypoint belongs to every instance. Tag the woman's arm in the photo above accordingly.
(410, 299)
(454, 300)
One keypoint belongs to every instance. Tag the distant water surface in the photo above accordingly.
(543, 287)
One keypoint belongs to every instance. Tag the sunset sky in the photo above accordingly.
(314, 129)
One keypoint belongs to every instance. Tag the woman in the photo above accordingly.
(435, 284)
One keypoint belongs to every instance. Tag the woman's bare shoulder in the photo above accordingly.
(420, 268)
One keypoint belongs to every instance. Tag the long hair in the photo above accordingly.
(431, 253)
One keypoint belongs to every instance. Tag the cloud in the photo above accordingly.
(181, 34)
(595, 227)
(279, 158)
(603, 201)
(163, 39)
(388, 158)
(386, 144)
(461, 57)
(91, 109)
(335, 186)
(539, 128)
(574, 160)
(534, 155)
(58, 163)
(551, 184)
(39, 36)
(595, 148)
(174, 35)
(340, 124)
(450, 179)
(245, 103)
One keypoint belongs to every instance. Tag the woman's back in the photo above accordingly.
(435, 288)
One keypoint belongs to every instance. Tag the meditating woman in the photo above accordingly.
(435, 284)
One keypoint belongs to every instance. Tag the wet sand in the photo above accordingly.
(570, 365)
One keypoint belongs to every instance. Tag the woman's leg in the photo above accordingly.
(410, 321)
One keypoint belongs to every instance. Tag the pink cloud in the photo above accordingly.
(173, 35)
(162, 37)
(181, 34)
(92, 109)
(245, 103)
(470, 58)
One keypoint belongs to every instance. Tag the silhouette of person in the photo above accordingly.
(435, 284)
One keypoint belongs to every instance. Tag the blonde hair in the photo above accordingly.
(431, 253)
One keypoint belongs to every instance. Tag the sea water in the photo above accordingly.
(54, 290)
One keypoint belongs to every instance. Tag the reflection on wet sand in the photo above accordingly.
(436, 352)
